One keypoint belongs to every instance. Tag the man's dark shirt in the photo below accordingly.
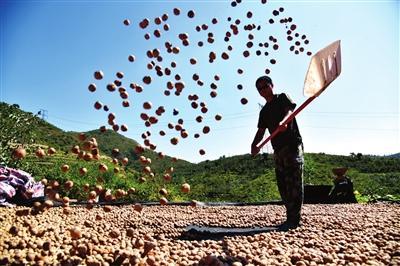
(271, 114)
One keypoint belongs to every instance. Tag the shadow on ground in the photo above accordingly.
(195, 232)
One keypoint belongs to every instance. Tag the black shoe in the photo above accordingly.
(286, 226)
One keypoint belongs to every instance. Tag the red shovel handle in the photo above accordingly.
(288, 120)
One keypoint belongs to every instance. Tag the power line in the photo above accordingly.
(43, 114)
(350, 115)
(191, 121)
(352, 128)
(347, 112)
(230, 117)
(336, 128)
(73, 121)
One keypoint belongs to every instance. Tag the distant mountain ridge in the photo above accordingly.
(50, 135)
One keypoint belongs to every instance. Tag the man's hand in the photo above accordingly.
(254, 150)
(282, 127)
(257, 138)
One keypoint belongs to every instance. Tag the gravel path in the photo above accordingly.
(354, 234)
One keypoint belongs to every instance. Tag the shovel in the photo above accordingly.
(325, 66)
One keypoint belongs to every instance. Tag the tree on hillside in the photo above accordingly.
(16, 130)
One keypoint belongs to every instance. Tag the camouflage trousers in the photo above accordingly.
(289, 175)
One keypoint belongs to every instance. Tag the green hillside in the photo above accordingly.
(44, 133)
(109, 140)
(253, 179)
(239, 178)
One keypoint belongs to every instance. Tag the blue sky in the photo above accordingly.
(50, 49)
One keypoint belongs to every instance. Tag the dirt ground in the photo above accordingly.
(353, 234)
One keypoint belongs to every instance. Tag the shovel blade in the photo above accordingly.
(325, 66)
